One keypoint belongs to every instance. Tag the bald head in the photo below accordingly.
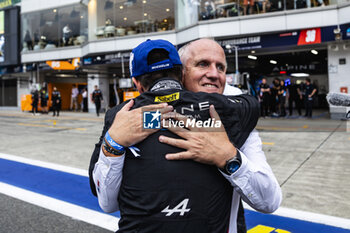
(190, 48)
(204, 64)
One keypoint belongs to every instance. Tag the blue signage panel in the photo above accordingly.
(290, 38)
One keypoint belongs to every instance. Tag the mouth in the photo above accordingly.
(210, 85)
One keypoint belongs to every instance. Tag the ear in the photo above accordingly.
(138, 85)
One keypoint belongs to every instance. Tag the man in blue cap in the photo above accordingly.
(157, 195)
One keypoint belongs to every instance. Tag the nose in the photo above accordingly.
(212, 72)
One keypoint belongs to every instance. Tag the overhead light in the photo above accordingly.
(253, 51)
(121, 7)
(144, 1)
(273, 62)
(252, 57)
(314, 52)
(145, 14)
(167, 9)
(299, 75)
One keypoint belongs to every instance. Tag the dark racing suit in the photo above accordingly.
(158, 195)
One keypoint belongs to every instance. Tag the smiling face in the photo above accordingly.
(204, 67)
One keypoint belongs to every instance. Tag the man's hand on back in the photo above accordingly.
(127, 128)
(200, 144)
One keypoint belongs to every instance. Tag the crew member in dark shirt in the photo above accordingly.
(97, 98)
(294, 96)
(309, 96)
(56, 102)
(264, 97)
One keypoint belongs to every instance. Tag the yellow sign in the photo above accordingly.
(266, 229)
(64, 65)
(167, 98)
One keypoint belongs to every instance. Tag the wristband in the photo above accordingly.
(109, 151)
(113, 144)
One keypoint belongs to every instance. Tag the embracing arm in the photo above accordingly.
(105, 172)
(254, 180)
(107, 177)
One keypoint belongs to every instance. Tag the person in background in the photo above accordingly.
(67, 33)
(274, 97)
(35, 101)
(264, 98)
(310, 91)
(294, 96)
(74, 98)
(97, 98)
(28, 40)
(43, 100)
(282, 92)
(85, 100)
(245, 6)
(56, 102)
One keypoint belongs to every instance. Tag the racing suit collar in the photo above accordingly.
(166, 84)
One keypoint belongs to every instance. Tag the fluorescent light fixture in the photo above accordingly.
(273, 62)
(314, 52)
(299, 75)
(252, 57)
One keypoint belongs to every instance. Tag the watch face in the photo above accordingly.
(232, 166)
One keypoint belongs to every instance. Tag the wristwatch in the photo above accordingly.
(232, 165)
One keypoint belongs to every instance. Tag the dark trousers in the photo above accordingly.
(98, 107)
(85, 104)
(308, 107)
(35, 107)
(282, 107)
(273, 104)
(56, 110)
(264, 108)
(296, 101)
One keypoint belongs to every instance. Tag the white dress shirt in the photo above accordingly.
(254, 181)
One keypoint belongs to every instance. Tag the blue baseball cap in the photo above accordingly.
(138, 57)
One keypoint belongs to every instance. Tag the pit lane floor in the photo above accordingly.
(310, 157)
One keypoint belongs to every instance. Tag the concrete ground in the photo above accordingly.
(310, 157)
